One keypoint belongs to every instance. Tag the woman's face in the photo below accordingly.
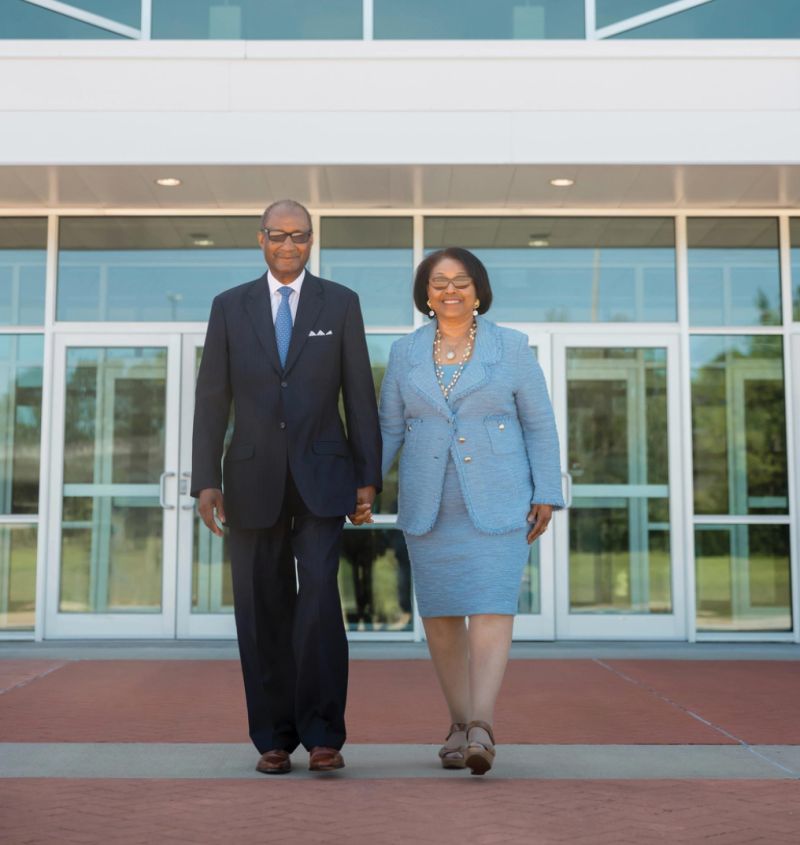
(451, 291)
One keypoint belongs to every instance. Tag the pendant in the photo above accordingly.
(450, 355)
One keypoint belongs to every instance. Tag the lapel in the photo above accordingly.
(487, 351)
(260, 311)
(312, 298)
(422, 376)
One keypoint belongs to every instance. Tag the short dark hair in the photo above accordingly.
(288, 205)
(472, 264)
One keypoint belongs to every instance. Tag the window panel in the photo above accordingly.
(374, 257)
(613, 11)
(128, 12)
(738, 425)
(450, 19)
(152, 268)
(17, 577)
(734, 272)
(559, 269)
(743, 578)
(794, 228)
(257, 19)
(22, 20)
(23, 258)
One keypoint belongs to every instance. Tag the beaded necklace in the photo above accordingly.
(439, 368)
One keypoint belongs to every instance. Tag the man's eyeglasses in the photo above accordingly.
(442, 282)
(278, 236)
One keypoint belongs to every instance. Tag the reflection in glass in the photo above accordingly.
(738, 425)
(19, 19)
(794, 228)
(613, 11)
(127, 12)
(257, 19)
(734, 271)
(111, 557)
(619, 547)
(530, 595)
(743, 578)
(152, 268)
(374, 257)
(23, 245)
(473, 19)
(20, 422)
(375, 579)
(17, 577)
(549, 269)
(722, 19)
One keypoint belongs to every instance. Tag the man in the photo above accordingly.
(281, 349)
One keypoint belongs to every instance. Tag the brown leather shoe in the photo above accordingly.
(274, 762)
(325, 759)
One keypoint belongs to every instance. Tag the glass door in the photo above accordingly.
(114, 487)
(617, 407)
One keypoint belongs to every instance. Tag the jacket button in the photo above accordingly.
(410, 427)
(283, 425)
(284, 384)
(502, 426)
(467, 459)
(462, 439)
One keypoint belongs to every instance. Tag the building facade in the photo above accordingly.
(629, 172)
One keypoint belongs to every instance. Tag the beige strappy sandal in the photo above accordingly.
(453, 758)
(478, 755)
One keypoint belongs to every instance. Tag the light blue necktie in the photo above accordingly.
(283, 324)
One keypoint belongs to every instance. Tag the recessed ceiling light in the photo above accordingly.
(168, 182)
(202, 240)
(537, 241)
(562, 183)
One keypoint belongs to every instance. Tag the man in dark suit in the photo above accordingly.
(281, 348)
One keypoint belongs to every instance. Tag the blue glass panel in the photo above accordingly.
(374, 257)
(727, 19)
(257, 19)
(570, 269)
(139, 269)
(734, 272)
(613, 11)
(23, 243)
(22, 20)
(128, 12)
(795, 240)
(451, 19)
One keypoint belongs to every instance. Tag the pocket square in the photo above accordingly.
(320, 333)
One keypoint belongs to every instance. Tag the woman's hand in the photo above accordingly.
(539, 517)
(365, 496)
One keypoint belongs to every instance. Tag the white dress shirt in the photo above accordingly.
(275, 296)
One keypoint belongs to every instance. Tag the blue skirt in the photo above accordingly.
(460, 571)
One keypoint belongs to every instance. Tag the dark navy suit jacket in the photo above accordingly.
(286, 417)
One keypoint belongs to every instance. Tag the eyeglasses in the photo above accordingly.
(278, 236)
(442, 282)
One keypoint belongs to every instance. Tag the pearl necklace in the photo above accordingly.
(437, 355)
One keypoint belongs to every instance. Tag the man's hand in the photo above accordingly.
(365, 496)
(209, 501)
(539, 516)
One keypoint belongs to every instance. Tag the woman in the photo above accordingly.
(479, 480)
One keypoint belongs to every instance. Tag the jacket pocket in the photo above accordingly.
(412, 425)
(240, 452)
(331, 447)
(501, 433)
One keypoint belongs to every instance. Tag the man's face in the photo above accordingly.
(285, 258)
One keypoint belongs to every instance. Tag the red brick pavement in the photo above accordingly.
(14, 673)
(542, 701)
(476, 811)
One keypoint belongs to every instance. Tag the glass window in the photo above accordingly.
(743, 578)
(128, 12)
(257, 19)
(613, 11)
(476, 19)
(734, 271)
(22, 20)
(152, 268)
(20, 422)
(794, 228)
(722, 19)
(17, 577)
(23, 258)
(374, 257)
(738, 425)
(570, 269)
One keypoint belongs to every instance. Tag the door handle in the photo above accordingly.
(185, 488)
(567, 477)
(162, 483)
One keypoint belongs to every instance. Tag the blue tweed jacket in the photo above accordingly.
(498, 427)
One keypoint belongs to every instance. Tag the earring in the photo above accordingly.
(431, 313)
(475, 308)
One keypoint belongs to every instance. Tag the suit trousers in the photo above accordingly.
(292, 640)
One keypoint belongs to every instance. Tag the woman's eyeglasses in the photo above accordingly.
(278, 236)
(442, 282)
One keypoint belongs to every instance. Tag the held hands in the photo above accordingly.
(209, 501)
(539, 517)
(365, 496)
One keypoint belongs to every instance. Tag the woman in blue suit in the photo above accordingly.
(479, 480)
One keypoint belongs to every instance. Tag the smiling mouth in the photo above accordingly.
(452, 301)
